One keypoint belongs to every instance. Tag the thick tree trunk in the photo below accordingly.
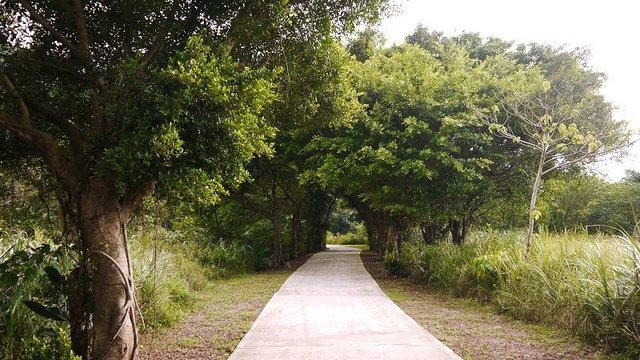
(387, 231)
(428, 232)
(113, 332)
(370, 219)
(532, 204)
(371, 235)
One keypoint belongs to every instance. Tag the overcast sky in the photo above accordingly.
(609, 28)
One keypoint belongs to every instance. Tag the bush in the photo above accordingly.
(587, 284)
(357, 237)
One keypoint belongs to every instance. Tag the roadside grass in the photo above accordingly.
(228, 307)
(473, 330)
(361, 247)
(584, 284)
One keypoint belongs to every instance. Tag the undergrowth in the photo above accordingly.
(170, 269)
(588, 284)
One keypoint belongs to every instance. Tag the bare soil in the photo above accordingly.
(228, 309)
(473, 330)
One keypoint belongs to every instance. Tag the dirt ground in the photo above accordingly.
(229, 308)
(471, 330)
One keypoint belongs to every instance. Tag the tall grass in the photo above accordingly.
(168, 276)
(170, 268)
(588, 284)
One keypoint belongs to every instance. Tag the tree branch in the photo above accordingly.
(25, 116)
(76, 138)
(81, 27)
(45, 24)
(58, 159)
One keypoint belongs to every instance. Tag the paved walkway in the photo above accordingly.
(331, 308)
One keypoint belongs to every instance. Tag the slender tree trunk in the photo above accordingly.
(113, 334)
(276, 258)
(295, 232)
(466, 227)
(532, 204)
(456, 236)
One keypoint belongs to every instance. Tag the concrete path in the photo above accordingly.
(331, 308)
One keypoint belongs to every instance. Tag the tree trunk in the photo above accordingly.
(276, 258)
(295, 232)
(113, 332)
(466, 227)
(456, 234)
(318, 212)
(428, 232)
(387, 232)
(369, 217)
(532, 204)
(371, 235)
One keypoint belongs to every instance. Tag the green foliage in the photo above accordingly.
(586, 284)
(167, 274)
(227, 259)
(356, 236)
(416, 130)
(26, 271)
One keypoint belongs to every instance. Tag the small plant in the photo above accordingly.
(393, 263)
(33, 321)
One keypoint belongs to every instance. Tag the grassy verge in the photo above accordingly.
(471, 329)
(361, 247)
(228, 308)
(584, 284)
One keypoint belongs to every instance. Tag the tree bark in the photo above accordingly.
(532, 204)
(428, 232)
(454, 227)
(318, 212)
(296, 229)
(387, 231)
(103, 219)
(369, 217)
(466, 227)
(276, 259)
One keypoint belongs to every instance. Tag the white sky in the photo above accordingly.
(609, 28)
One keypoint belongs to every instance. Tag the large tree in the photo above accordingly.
(418, 148)
(121, 98)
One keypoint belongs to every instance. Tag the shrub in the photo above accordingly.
(357, 237)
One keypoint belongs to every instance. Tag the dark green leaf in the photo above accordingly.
(54, 275)
(8, 279)
(53, 313)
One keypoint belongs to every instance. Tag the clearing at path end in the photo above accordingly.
(331, 308)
